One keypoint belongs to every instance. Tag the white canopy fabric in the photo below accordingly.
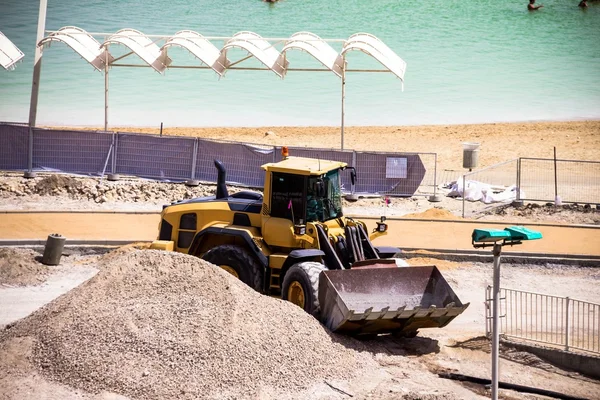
(10, 54)
(82, 43)
(374, 47)
(260, 48)
(201, 48)
(141, 45)
(318, 48)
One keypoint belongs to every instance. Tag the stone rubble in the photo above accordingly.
(157, 325)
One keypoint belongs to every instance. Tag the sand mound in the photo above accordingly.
(432, 213)
(55, 184)
(19, 267)
(154, 324)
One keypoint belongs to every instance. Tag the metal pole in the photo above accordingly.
(343, 98)
(555, 179)
(106, 96)
(463, 196)
(35, 84)
(496, 320)
(567, 325)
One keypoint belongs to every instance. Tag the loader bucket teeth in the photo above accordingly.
(366, 301)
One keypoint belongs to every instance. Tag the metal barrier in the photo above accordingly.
(183, 158)
(541, 318)
(14, 142)
(573, 181)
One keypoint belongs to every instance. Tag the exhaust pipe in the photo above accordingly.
(221, 187)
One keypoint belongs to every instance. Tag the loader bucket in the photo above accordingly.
(366, 301)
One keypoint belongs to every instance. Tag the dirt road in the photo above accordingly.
(404, 233)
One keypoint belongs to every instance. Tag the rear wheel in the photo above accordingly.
(301, 286)
(238, 262)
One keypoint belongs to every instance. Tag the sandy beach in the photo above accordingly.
(576, 140)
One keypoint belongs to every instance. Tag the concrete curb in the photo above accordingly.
(445, 254)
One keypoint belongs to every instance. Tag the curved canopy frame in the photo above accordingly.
(374, 47)
(141, 45)
(201, 48)
(82, 43)
(318, 48)
(260, 48)
(10, 54)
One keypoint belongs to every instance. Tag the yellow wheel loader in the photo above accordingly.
(294, 242)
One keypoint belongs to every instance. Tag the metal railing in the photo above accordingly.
(558, 321)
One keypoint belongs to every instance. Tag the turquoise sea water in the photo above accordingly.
(468, 62)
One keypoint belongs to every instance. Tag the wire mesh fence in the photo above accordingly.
(568, 181)
(541, 318)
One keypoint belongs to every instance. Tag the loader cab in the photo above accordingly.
(299, 190)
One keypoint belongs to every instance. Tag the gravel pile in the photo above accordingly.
(18, 267)
(153, 324)
(100, 191)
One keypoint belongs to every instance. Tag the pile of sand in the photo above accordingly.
(18, 267)
(432, 213)
(54, 184)
(153, 324)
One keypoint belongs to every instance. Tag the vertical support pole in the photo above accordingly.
(519, 179)
(496, 320)
(463, 196)
(556, 198)
(106, 95)
(35, 84)
(435, 175)
(194, 156)
(353, 187)
(343, 99)
(115, 152)
(567, 324)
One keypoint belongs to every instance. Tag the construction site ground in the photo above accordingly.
(145, 324)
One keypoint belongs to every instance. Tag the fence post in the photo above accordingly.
(115, 152)
(463, 195)
(352, 188)
(567, 325)
(194, 157)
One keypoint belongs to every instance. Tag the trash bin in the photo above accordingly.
(53, 250)
(470, 155)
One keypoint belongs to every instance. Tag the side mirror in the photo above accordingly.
(353, 175)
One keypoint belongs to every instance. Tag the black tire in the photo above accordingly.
(241, 261)
(306, 274)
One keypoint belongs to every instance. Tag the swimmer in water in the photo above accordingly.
(532, 7)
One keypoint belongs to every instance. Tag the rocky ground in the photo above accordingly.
(153, 325)
(58, 192)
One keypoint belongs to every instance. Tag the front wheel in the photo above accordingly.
(301, 286)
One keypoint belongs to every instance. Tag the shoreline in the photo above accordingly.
(499, 142)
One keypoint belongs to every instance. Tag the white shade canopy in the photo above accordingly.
(260, 48)
(141, 45)
(201, 48)
(374, 47)
(9, 53)
(318, 48)
(82, 43)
